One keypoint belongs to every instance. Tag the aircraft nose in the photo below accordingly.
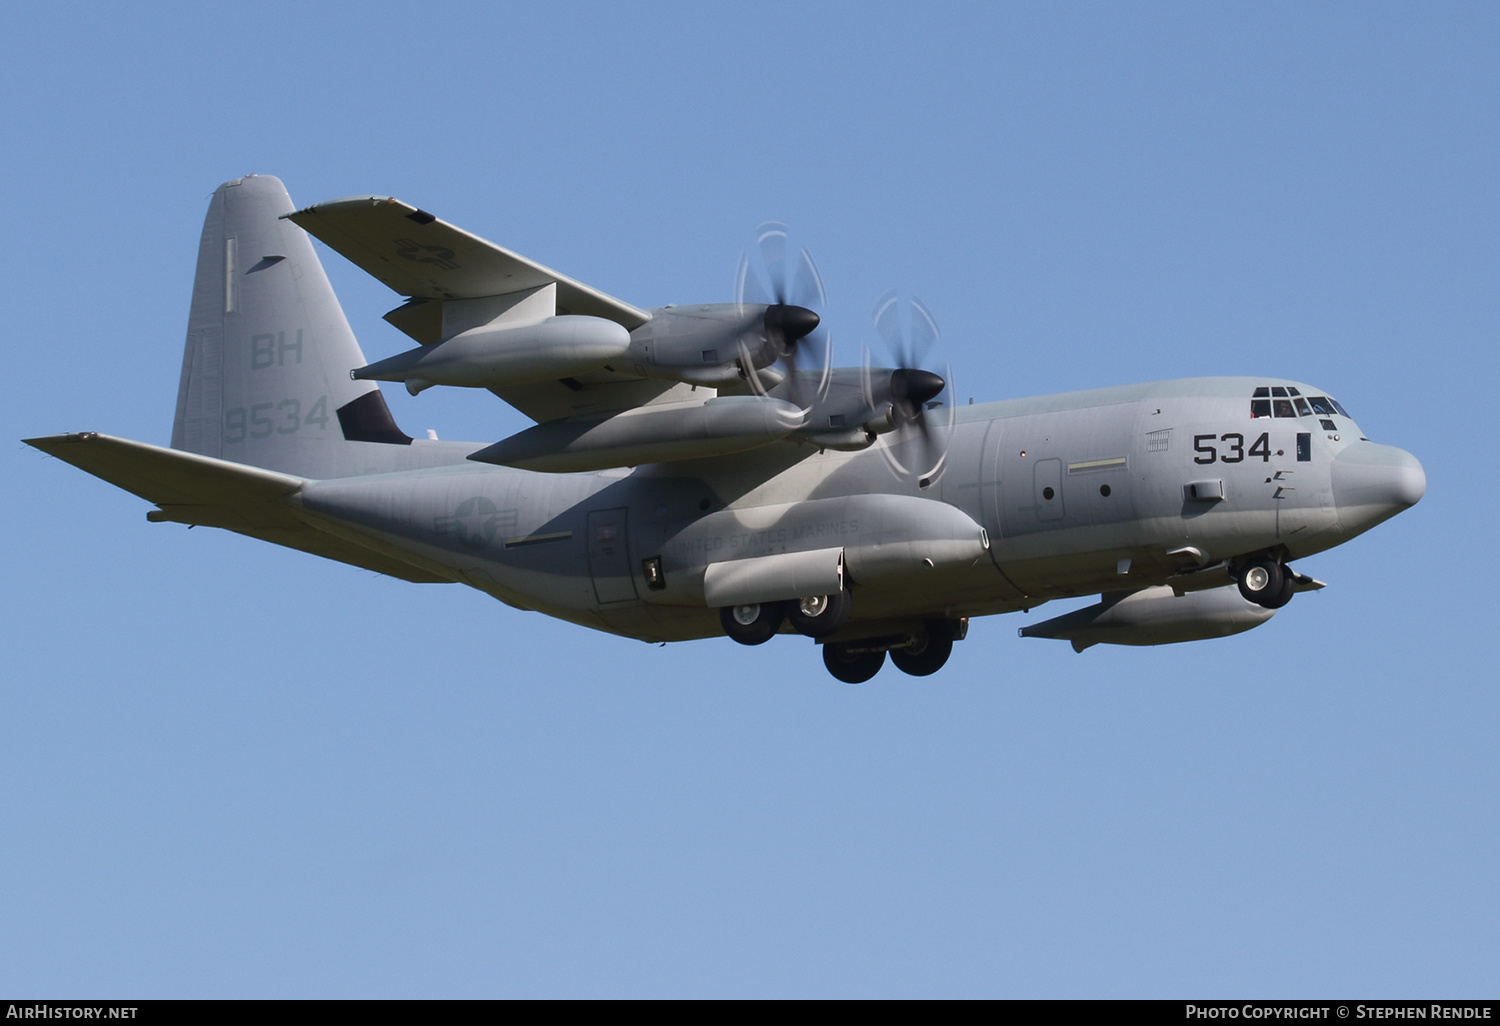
(1374, 482)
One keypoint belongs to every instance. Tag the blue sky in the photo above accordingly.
(228, 769)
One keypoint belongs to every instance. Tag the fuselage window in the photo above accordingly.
(1260, 408)
(1284, 408)
(1303, 410)
(1328, 425)
(1304, 447)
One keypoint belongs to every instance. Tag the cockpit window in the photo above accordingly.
(1288, 401)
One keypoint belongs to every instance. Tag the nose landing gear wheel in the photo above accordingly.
(1262, 581)
(925, 657)
(1288, 589)
(819, 615)
(849, 666)
(752, 624)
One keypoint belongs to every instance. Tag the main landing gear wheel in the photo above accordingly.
(850, 666)
(819, 615)
(752, 624)
(926, 656)
(1267, 583)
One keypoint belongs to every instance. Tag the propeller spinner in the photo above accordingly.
(913, 390)
(788, 341)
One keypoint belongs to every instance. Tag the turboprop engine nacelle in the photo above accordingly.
(496, 355)
(709, 344)
(1154, 616)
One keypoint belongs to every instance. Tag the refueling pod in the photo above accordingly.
(649, 434)
(500, 354)
(1154, 616)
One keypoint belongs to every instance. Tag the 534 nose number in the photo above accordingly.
(1235, 451)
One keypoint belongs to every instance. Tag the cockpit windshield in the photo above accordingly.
(1287, 401)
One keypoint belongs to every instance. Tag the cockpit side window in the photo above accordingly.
(1302, 408)
(1321, 406)
(1260, 407)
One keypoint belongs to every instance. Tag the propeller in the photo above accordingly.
(915, 407)
(785, 343)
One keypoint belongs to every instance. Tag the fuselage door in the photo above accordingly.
(609, 556)
(1049, 497)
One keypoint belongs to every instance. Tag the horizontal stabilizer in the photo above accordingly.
(420, 256)
(209, 492)
(167, 477)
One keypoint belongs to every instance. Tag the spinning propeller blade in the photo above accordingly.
(787, 336)
(914, 392)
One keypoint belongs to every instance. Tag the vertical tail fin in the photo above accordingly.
(265, 374)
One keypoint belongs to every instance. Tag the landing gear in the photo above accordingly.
(755, 623)
(752, 624)
(852, 662)
(925, 656)
(919, 655)
(1288, 587)
(819, 615)
(1267, 583)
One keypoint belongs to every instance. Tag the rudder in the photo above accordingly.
(265, 372)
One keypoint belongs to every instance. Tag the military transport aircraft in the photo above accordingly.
(699, 470)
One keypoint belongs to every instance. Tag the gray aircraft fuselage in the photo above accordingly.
(1078, 493)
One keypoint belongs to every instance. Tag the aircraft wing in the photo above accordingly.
(432, 262)
(423, 257)
(200, 490)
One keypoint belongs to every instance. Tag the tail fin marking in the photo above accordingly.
(265, 372)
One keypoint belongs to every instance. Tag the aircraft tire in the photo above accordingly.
(820, 615)
(752, 624)
(926, 657)
(851, 667)
(1261, 581)
(1288, 589)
